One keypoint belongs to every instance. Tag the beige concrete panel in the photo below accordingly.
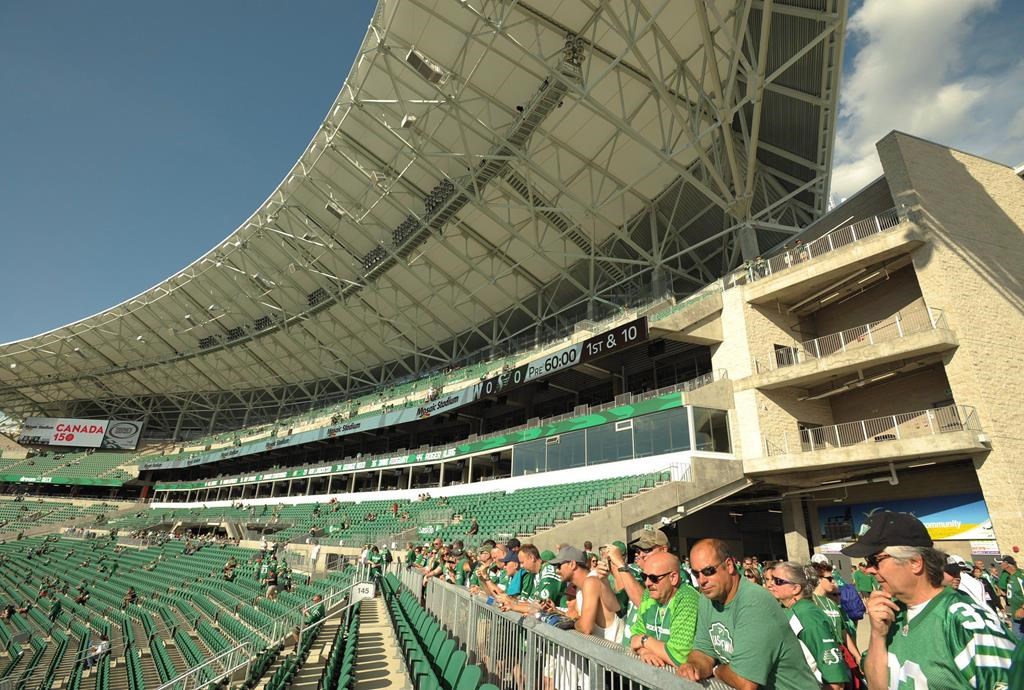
(899, 292)
(972, 212)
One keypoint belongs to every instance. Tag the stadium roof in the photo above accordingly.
(489, 171)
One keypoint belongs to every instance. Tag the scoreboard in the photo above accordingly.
(592, 348)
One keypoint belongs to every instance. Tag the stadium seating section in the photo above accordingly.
(16, 516)
(85, 464)
(185, 613)
(498, 514)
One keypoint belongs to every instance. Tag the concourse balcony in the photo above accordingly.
(948, 432)
(911, 334)
(853, 253)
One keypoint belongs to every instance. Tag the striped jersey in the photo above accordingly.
(950, 644)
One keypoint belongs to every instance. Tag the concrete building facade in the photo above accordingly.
(877, 360)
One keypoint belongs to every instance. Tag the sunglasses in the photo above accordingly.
(828, 577)
(873, 561)
(637, 549)
(651, 577)
(710, 570)
(778, 582)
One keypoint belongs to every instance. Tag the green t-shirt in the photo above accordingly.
(375, 560)
(864, 582)
(1014, 590)
(410, 557)
(1004, 576)
(526, 583)
(549, 586)
(626, 605)
(751, 633)
(837, 620)
(838, 579)
(674, 623)
(816, 633)
(502, 580)
(951, 644)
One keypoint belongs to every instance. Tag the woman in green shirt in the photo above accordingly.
(793, 585)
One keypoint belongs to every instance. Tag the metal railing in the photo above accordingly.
(939, 420)
(522, 653)
(800, 253)
(897, 326)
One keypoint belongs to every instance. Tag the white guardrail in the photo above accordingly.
(939, 420)
(900, 325)
(800, 252)
(522, 653)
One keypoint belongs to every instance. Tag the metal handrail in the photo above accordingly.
(900, 325)
(521, 652)
(895, 427)
(760, 268)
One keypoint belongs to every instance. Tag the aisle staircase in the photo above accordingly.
(378, 663)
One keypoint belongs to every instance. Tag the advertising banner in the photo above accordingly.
(963, 516)
(81, 433)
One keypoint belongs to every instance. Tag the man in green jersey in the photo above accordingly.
(923, 634)
(528, 599)
(1013, 588)
(627, 577)
(864, 582)
(667, 616)
(743, 636)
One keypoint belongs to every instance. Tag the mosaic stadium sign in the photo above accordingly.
(601, 345)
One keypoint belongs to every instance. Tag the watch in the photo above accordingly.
(623, 568)
(643, 641)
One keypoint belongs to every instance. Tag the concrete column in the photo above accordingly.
(795, 526)
(441, 480)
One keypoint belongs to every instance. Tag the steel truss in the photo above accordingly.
(490, 173)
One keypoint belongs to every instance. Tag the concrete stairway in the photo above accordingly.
(379, 664)
(308, 677)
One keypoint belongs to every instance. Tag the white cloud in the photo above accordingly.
(910, 74)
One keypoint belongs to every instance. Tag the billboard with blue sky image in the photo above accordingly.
(963, 516)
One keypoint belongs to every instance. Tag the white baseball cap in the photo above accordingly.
(819, 558)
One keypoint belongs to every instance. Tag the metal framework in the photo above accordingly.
(490, 170)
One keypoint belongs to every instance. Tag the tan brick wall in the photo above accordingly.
(972, 211)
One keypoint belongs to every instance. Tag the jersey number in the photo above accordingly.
(908, 671)
(975, 618)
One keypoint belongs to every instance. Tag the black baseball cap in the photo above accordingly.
(1008, 559)
(889, 529)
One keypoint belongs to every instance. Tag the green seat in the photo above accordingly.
(470, 678)
(453, 669)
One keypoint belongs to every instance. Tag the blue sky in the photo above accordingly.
(135, 136)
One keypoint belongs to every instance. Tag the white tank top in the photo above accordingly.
(612, 633)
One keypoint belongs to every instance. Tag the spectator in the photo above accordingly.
(742, 635)
(864, 582)
(376, 561)
(753, 575)
(952, 643)
(1013, 588)
(957, 570)
(596, 605)
(526, 599)
(129, 597)
(55, 609)
(316, 611)
(627, 578)
(793, 585)
(826, 595)
(667, 616)
(101, 649)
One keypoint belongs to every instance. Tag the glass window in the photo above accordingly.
(528, 458)
(662, 432)
(711, 430)
(566, 451)
(605, 444)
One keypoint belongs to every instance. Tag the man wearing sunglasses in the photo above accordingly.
(924, 634)
(743, 636)
(662, 633)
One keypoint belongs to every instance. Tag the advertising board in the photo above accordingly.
(81, 433)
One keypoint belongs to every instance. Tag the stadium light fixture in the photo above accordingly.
(408, 121)
(335, 210)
